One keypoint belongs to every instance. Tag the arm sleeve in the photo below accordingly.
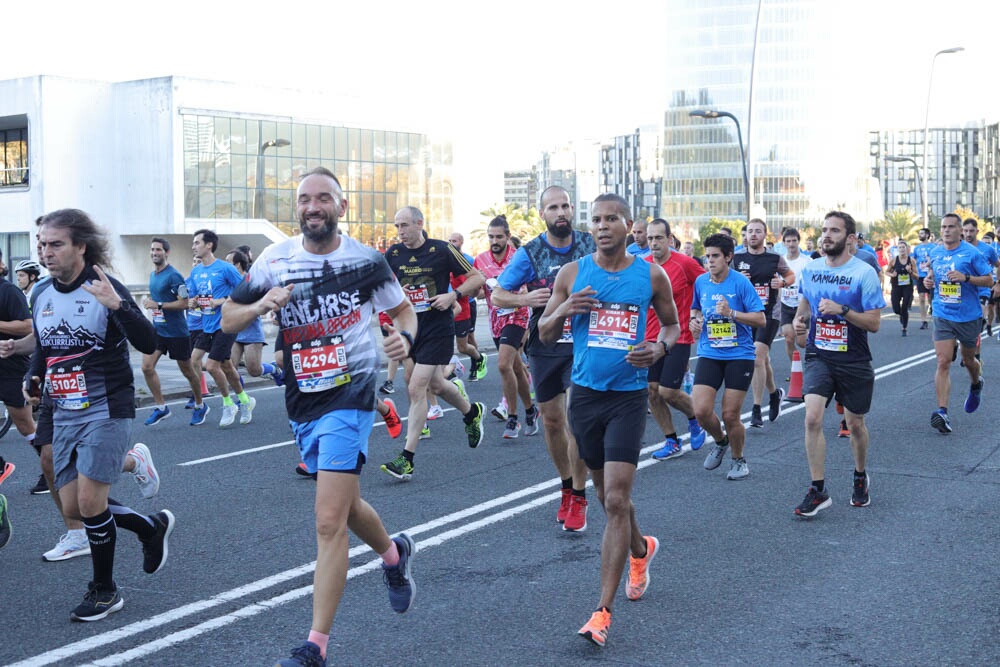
(457, 263)
(138, 330)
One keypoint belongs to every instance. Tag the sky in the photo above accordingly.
(504, 81)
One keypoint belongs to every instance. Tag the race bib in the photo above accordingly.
(831, 334)
(949, 292)
(763, 291)
(158, 317)
(68, 390)
(613, 326)
(418, 296)
(567, 332)
(903, 279)
(790, 296)
(721, 331)
(205, 305)
(321, 365)
(922, 268)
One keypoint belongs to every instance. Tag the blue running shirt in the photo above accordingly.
(723, 337)
(957, 302)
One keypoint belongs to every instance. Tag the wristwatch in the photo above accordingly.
(666, 350)
(123, 306)
(844, 311)
(968, 277)
(407, 335)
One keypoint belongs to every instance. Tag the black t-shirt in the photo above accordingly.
(13, 307)
(762, 268)
(423, 273)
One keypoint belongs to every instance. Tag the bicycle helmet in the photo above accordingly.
(29, 266)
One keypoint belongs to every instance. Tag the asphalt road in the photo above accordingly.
(910, 580)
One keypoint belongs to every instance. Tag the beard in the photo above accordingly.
(496, 249)
(321, 235)
(836, 249)
(560, 231)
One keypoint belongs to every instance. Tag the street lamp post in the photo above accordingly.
(711, 113)
(927, 114)
(258, 194)
(920, 180)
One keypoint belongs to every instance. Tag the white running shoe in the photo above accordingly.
(435, 412)
(72, 544)
(228, 415)
(500, 411)
(246, 410)
(144, 471)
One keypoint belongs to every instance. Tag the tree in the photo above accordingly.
(900, 223)
(525, 225)
(712, 227)
(967, 213)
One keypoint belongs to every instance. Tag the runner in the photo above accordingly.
(424, 268)
(193, 318)
(902, 274)
(724, 307)
(15, 322)
(666, 376)
(605, 297)
(955, 273)
(249, 344)
(841, 303)
(970, 232)
(922, 255)
(508, 326)
(790, 294)
(323, 285)
(534, 267)
(211, 282)
(478, 369)
(93, 398)
(640, 247)
(769, 273)
(167, 301)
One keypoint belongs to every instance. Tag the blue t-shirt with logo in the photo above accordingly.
(641, 253)
(215, 281)
(990, 253)
(854, 284)
(164, 287)
(723, 337)
(957, 301)
(922, 253)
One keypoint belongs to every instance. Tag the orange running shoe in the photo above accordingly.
(844, 432)
(6, 468)
(564, 506)
(576, 520)
(596, 629)
(840, 408)
(391, 418)
(638, 569)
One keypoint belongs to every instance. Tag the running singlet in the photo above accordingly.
(487, 265)
(957, 301)
(603, 337)
(535, 265)
(922, 254)
(424, 273)
(903, 277)
(854, 284)
(723, 337)
(215, 281)
(790, 294)
(167, 286)
(13, 308)
(990, 253)
(81, 350)
(762, 269)
(331, 358)
(682, 271)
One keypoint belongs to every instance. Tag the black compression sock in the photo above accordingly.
(819, 484)
(102, 536)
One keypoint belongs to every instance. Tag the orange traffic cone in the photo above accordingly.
(795, 385)
(204, 385)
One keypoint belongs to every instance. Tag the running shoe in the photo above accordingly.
(813, 503)
(774, 409)
(41, 487)
(975, 396)
(5, 528)
(425, 433)
(844, 432)
(198, 414)
(738, 470)
(387, 388)
(860, 496)
(157, 416)
(512, 429)
(435, 412)
(715, 456)
(190, 404)
(531, 420)
(398, 578)
(156, 549)
(474, 429)
(228, 415)
(576, 518)
(72, 544)
(940, 421)
(697, 434)
(596, 629)
(6, 469)
(500, 411)
(301, 469)
(144, 472)
(399, 468)
(458, 366)
(277, 375)
(904, 333)
(461, 387)
(564, 503)
(393, 424)
(638, 569)
(756, 420)
(97, 603)
(671, 449)
(480, 370)
(923, 325)
(246, 410)
(307, 655)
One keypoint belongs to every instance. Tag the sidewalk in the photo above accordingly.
(174, 385)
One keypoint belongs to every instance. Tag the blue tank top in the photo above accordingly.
(603, 338)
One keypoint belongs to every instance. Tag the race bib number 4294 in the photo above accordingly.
(321, 365)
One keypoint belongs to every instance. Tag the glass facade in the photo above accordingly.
(236, 168)
(14, 151)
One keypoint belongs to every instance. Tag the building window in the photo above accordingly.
(14, 151)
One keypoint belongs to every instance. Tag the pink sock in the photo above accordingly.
(319, 639)
(391, 557)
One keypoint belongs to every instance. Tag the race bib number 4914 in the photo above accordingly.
(613, 325)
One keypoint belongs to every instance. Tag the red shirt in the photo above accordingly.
(682, 271)
(491, 268)
(463, 301)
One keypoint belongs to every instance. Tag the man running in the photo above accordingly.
(724, 308)
(323, 286)
(168, 301)
(89, 380)
(15, 323)
(508, 326)
(534, 267)
(956, 272)
(769, 273)
(467, 342)
(424, 268)
(606, 297)
(841, 302)
(790, 293)
(970, 234)
(666, 376)
(640, 246)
